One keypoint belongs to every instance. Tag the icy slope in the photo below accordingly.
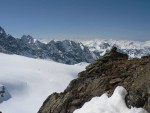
(29, 81)
(113, 104)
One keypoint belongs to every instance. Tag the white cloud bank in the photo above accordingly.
(30, 81)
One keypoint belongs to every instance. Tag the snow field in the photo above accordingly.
(30, 81)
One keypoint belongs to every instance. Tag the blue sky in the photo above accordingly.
(84, 19)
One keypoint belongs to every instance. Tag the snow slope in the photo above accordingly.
(113, 104)
(30, 81)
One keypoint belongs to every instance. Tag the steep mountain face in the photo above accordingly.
(104, 75)
(2, 32)
(67, 51)
(71, 51)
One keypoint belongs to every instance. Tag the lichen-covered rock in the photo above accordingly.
(101, 76)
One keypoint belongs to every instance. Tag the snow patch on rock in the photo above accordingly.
(114, 104)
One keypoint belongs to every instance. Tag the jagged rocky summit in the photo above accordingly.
(104, 75)
(67, 51)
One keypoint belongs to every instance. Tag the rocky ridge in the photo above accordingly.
(67, 51)
(103, 75)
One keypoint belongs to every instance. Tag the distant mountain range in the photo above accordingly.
(132, 48)
(68, 51)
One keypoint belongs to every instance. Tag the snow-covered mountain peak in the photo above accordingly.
(132, 48)
(120, 43)
(2, 32)
(147, 43)
(27, 39)
(69, 51)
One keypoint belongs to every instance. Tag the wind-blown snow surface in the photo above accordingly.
(30, 81)
(113, 104)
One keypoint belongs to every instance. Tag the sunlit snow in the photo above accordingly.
(30, 81)
(113, 104)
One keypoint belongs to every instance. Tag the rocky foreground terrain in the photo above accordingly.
(101, 76)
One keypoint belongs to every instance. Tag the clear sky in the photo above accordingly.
(63, 19)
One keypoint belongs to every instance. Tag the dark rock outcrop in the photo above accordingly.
(66, 51)
(101, 76)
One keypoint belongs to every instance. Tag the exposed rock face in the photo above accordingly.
(2, 32)
(67, 51)
(101, 76)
